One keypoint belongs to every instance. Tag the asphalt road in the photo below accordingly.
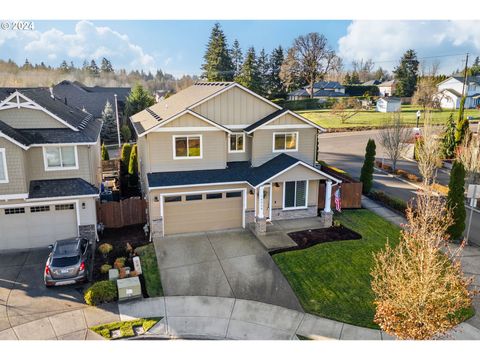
(347, 150)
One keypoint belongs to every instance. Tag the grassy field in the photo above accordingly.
(148, 259)
(370, 118)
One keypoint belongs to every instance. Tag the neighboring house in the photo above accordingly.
(217, 156)
(160, 95)
(49, 169)
(371, 83)
(389, 104)
(91, 98)
(387, 88)
(450, 92)
(321, 90)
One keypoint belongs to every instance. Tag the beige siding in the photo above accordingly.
(286, 119)
(277, 194)
(143, 161)
(187, 120)
(96, 164)
(262, 147)
(29, 119)
(15, 157)
(243, 156)
(299, 172)
(235, 107)
(160, 152)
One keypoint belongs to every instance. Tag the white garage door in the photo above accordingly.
(25, 227)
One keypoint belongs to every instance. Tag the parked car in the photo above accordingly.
(68, 262)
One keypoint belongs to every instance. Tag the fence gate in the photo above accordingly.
(116, 214)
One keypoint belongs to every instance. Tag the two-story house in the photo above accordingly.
(217, 156)
(50, 168)
(322, 90)
(451, 90)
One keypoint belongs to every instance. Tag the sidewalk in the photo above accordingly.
(382, 211)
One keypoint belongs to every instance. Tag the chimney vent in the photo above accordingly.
(51, 92)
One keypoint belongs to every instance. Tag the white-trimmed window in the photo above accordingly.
(3, 167)
(295, 194)
(236, 143)
(285, 141)
(187, 146)
(60, 158)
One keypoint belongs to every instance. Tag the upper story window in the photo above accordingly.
(285, 141)
(236, 143)
(60, 158)
(187, 147)
(3, 167)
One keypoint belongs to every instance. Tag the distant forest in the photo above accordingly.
(90, 74)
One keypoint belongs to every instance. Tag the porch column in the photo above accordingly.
(260, 214)
(328, 196)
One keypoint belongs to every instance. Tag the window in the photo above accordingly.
(214, 196)
(173, 198)
(237, 143)
(186, 147)
(234, 194)
(41, 208)
(193, 197)
(285, 142)
(64, 207)
(295, 194)
(60, 157)
(3, 167)
(13, 211)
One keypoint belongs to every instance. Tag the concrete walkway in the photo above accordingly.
(382, 211)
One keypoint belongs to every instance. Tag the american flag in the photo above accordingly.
(338, 200)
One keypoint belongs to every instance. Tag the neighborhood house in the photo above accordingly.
(322, 90)
(450, 92)
(387, 88)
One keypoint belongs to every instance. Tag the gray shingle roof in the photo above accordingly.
(15, 134)
(40, 189)
(265, 120)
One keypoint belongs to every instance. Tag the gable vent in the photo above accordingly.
(154, 114)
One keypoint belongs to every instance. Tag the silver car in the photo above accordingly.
(68, 262)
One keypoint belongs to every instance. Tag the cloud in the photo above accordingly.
(384, 41)
(86, 42)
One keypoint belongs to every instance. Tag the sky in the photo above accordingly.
(177, 47)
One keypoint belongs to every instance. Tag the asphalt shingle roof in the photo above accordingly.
(239, 171)
(265, 120)
(60, 187)
(15, 134)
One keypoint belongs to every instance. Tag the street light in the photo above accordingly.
(118, 122)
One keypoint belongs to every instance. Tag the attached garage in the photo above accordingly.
(197, 212)
(32, 226)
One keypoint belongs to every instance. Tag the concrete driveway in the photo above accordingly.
(226, 264)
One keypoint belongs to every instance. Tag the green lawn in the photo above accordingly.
(333, 279)
(150, 270)
(125, 327)
(371, 118)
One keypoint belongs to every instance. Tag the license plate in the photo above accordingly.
(64, 271)
(66, 282)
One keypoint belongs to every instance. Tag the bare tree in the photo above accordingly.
(419, 285)
(428, 152)
(363, 68)
(426, 95)
(312, 58)
(394, 137)
(345, 109)
(290, 71)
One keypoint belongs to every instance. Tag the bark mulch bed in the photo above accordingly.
(311, 237)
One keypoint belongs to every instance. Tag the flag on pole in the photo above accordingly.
(338, 200)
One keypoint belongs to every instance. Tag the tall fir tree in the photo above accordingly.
(249, 76)
(93, 68)
(139, 99)
(218, 65)
(237, 58)
(406, 74)
(64, 67)
(263, 66)
(106, 66)
(108, 133)
(366, 176)
(275, 85)
(456, 200)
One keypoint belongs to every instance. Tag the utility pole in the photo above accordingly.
(118, 122)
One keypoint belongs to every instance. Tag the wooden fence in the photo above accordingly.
(116, 214)
(351, 191)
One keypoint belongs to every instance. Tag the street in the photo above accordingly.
(347, 150)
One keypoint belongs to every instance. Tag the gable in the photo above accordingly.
(188, 121)
(235, 106)
(25, 118)
(287, 119)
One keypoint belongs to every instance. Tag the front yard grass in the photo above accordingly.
(125, 327)
(150, 271)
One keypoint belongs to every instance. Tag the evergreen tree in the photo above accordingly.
(263, 67)
(106, 66)
(249, 76)
(456, 200)
(347, 80)
(448, 141)
(125, 156)
(139, 99)
(133, 164)
(64, 67)
(366, 176)
(85, 65)
(237, 58)
(125, 132)
(462, 128)
(109, 128)
(355, 79)
(218, 65)
(105, 155)
(406, 74)
(93, 68)
(275, 85)
(27, 65)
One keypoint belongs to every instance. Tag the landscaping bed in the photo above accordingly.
(124, 329)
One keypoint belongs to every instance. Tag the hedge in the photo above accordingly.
(101, 292)
(360, 90)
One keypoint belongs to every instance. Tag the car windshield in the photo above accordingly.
(65, 261)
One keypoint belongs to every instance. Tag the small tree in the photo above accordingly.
(126, 133)
(394, 137)
(105, 155)
(109, 127)
(366, 176)
(125, 156)
(456, 200)
(345, 109)
(463, 128)
(427, 152)
(139, 99)
(133, 163)
(448, 140)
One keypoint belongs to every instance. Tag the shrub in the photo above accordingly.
(105, 155)
(119, 263)
(387, 168)
(391, 202)
(126, 133)
(456, 200)
(125, 155)
(105, 248)
(412, 177)
(366, 176)
(105, 268)
(101, 292)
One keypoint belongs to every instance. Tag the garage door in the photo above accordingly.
(36, 226)
(203, 212)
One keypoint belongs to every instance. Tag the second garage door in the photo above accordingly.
(203, 212)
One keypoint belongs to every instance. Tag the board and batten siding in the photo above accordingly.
(286, 119)
(29, 119)
(235, 107)
(15, 156)
(262, 145)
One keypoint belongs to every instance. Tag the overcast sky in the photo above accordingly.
(177, 47)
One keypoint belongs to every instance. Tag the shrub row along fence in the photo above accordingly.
(116, 214)
(351, 191)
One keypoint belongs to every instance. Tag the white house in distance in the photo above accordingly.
(387, 88)
(450, 92)
(388, 104)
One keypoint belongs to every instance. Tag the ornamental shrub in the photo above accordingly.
(366, 176)
(456, 200)
(101, 292)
